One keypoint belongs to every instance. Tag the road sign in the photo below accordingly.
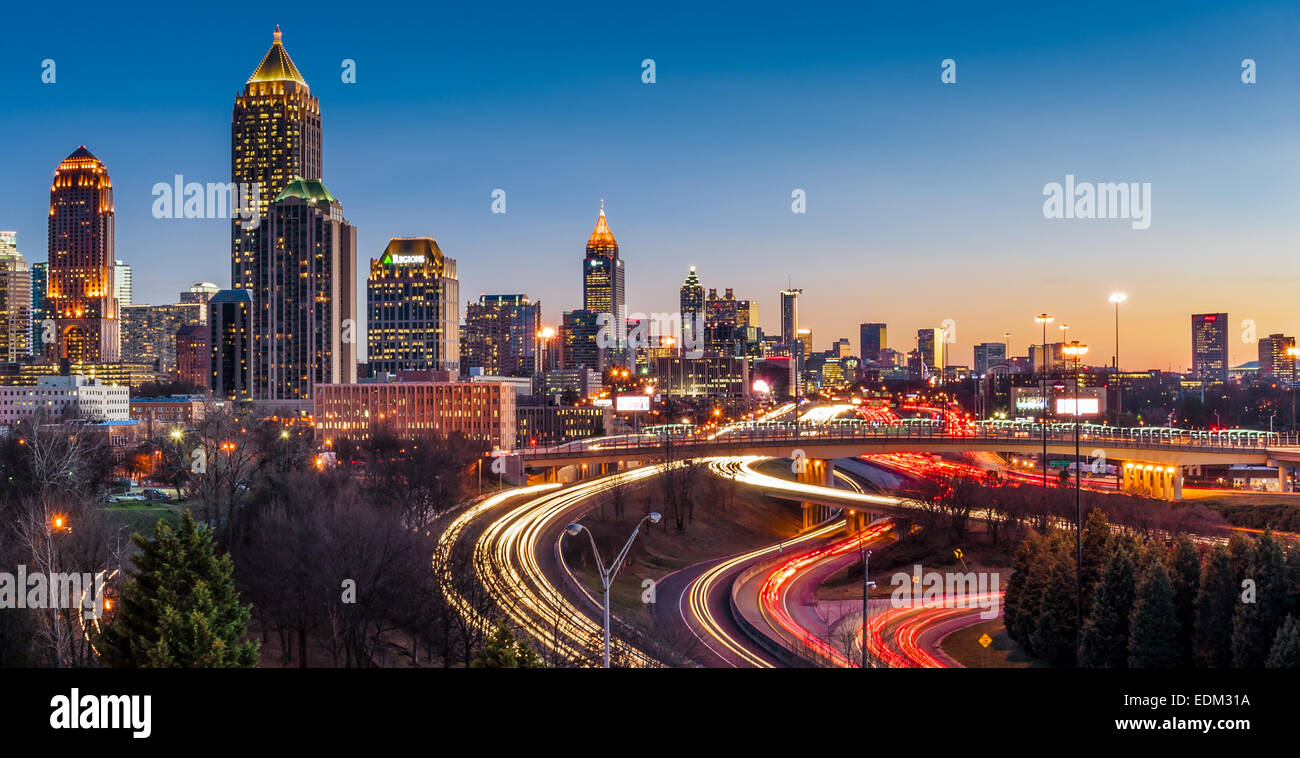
(986, 640)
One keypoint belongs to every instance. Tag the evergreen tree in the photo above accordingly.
(1097, 542)
(1106, 632)
(1185, 576)
(180, 608)
(1054, 638)
(1020, 607)
(1286, 646)
(1255, 624)
(503, 650)
(1217, 597)
(1153, 635)
(1241, 551)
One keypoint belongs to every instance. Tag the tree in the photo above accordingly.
(1106, 632)
(1096, 541)
(1256, 623)
(1153, 639)
(1216, 599)
(1286, 647)
(180, 608)
(1023, 590)
(503, 650)
(1054, 637)
(1185, 576)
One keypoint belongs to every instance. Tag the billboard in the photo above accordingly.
(1088, 406)
(632, 403)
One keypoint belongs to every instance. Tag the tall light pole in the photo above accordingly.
(1293, 353)
(1117, 298)
(1044, 320)
(866, 554)
(607, 573)
(1076, 351)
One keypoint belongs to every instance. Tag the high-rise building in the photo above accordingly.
(15, 301)
(804, 336)
(501, 335)
(725, 321)
(989, 354)
(789, 315)
(230, 340)
(122, 283)
(871, 340)
(40, 277)
(275, 136)
(412, 306)
(692, 310)
(1275, 361)
(305, 314)
(602, 281)
(194, 354)
(149, 332)
(842, 348)
(1210, 346)
(930, 350)
(578, 331)
(200, 292)
(80, 296)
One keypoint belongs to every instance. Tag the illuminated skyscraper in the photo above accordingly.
(275, 136)
(40, 278)
(15, 301)
(81, 293)
(230, 340)
(930, 349)
(305, 312)
(1210, 346)
(413, 319)
(602, 281)
(692, 310)
(122, 283)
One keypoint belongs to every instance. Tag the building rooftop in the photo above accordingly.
(277, 66)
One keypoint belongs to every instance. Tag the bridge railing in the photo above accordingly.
(850, 430)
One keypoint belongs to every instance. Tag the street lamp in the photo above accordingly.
(1076, 351)
(1293, 353)
(866, 554)
(607, 573)
(1117, 298)
(1044, 320)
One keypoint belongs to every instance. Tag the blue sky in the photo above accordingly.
(923, 199)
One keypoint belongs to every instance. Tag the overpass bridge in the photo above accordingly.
(1151, 459)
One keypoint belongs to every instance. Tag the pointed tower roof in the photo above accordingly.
(311, 190)
(277, 66)
(601, 236)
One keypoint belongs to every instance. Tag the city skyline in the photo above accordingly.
(736, 226)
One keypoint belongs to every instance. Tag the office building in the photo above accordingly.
(230, 340)
(149, 332)
(1210, 346)
(692, 311)
(989, 354)
(478, 410)
(602, 281)
(122, 284)
(871, 340)
(1275, 358)
(412, 306)
(501, 335)
(15, 301)
(65, 397)
(80, 295)
(194, 354)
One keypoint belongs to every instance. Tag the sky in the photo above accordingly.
(924, 200)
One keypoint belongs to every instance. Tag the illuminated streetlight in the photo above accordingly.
(1044, 319)
(607, 573)
(1076, 350)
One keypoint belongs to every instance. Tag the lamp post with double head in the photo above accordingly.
(607, 573)
(1117, 298)
(1043, 319)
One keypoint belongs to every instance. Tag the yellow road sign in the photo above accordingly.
(986, 640)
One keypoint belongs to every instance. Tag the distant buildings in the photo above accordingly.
(1275, 358)
(194, 354)
(15, 301)
(871, 340)
(931, 350)
(789, 315)
(81, 295)
(40, 277)
(122, 284)
(200, 292)
(578, 331)
(726, 321)
(148, 332)
(1210, 346)
(412, 307)
(989, 354)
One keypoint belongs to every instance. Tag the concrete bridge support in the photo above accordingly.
(856, 520)
(1283, 478)
(821, 473)
(1152, 480)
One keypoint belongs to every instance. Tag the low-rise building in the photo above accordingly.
(478, 410)
(66, 397)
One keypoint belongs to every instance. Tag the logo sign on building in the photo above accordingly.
(403, 260)
(1030, 403)
(632, 403)
(603, 402)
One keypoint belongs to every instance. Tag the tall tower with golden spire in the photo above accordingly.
(602, 278)
(275, 136)
(81, 297)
